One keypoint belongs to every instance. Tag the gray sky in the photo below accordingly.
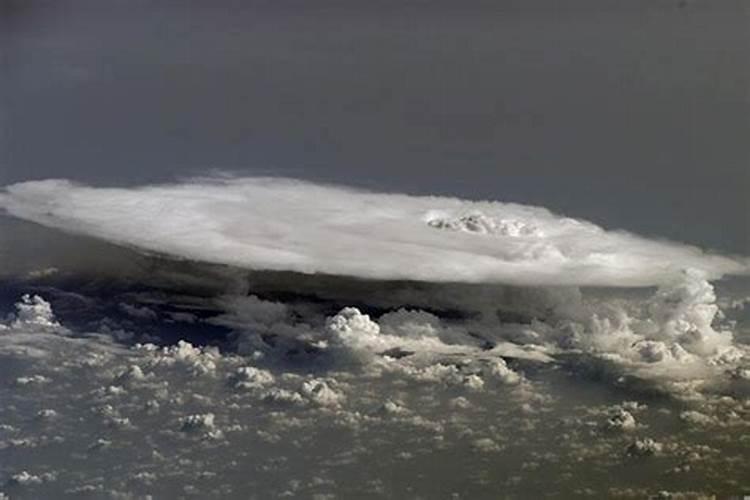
(632, 114)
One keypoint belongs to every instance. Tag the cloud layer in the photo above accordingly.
(185, 376)
(84, 415)
(290, 225)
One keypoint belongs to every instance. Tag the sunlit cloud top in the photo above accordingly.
(291, 225)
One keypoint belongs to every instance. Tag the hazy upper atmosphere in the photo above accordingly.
(374, 249)
(632, 114)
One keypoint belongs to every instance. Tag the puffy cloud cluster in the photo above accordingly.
(289, 225)
(670, 338)
(321, 392)
(478, 222)
(33, 312)
(673, 338)
(644, 447)
(250, 377)
(414, 343)
(352, 331)
(190, 420)
(198, 422)
(621, 420)
(197, 360)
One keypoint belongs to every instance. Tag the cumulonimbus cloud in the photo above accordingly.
(292, 225)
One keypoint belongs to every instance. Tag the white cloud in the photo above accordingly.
(24, 478)
(644, 447)
(46, 414)
(697, 418)
(198, 360)
(32, 380)
(352, 330)
(282, 224)
(33, 312)
(322, 392)
(198, 421)
(621, 420)
(302, 420)
(498, 369)
(249, 377)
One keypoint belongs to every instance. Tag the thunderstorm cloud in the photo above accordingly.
(291, 225)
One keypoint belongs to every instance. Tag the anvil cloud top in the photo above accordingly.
(291, 225)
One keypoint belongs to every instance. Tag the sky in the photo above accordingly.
(631, 115)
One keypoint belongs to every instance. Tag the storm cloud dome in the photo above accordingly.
(293, 225)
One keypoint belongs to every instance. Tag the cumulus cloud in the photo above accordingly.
(36, 313)
(644, 447)
(290, 225)
(621, 420)
(198, 422)
(220, 413)
(198, 361)
(669, 338)
(26, 478)
(249, 377)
